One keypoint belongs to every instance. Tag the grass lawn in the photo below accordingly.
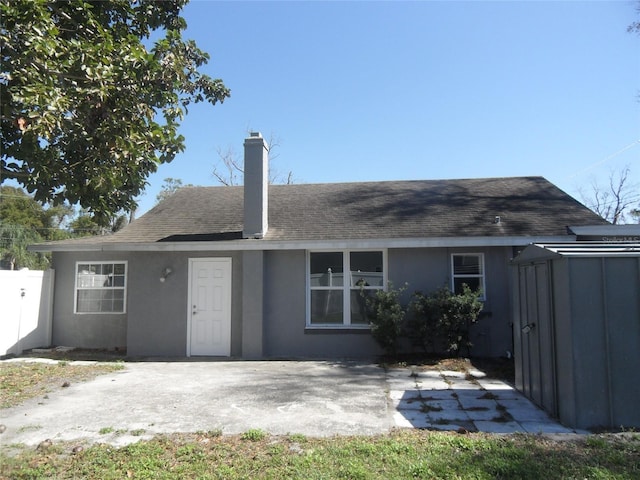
(20, 381)
(399, 455)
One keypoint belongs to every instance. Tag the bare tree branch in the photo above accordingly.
(229, 169)
(231, 165)
(615, 202)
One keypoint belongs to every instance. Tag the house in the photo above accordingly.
(265, 271)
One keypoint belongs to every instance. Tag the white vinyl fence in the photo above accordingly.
(26, 305)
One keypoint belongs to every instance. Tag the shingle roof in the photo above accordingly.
(527, 206)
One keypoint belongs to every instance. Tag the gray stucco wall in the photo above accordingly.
(285, 316)
(427, 269)
(156, 318)
(422, 269)
(158, 311)
(268, 321)
(83, 330)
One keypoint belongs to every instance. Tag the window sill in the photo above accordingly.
(335, 330)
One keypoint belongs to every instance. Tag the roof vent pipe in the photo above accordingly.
(256, 186)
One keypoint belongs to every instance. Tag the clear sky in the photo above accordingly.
(359, 91)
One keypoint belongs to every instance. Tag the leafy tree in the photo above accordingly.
(84, 225)
(91, 105)
(24, 221)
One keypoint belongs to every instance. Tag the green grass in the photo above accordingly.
(20, 381)
(410, 454)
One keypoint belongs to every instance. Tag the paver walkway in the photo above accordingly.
(450, 400)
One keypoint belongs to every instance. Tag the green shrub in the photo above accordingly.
(444, 316)
(386, 316)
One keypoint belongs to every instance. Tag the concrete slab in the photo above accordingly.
(414, 418)
(524, 411)
(407, 404)
(449, 416)
(438, 395)
(406, 394)
(147, 398)
(491, 384)
(544, 427)
(441, 405)
(453, 400)
(498, 427)
(475, 402)
(436, 383)
(279, 397)
(483, 414)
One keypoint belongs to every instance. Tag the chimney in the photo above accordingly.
(256, 186)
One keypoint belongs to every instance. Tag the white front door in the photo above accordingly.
(209, 328)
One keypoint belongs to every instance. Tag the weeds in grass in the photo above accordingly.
(20, 381)
(106, 430)
(297, 437)
(407, 454)
(254, 435)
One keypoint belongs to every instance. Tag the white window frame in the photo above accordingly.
(481, 276)
(347, 288)
(77, 288)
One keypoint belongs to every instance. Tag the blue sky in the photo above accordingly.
(359, 91)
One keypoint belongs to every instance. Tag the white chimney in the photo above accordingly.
(256, 186)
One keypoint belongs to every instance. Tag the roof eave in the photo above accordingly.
(261, 244)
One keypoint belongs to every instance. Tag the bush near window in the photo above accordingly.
(436, 322)
(444, 316)
(386, 317)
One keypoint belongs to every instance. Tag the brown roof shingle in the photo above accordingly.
(527, 206)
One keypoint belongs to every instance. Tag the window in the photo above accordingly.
(100, 287)
(468, 268)
(335, 297)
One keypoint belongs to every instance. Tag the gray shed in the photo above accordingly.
(577, 331)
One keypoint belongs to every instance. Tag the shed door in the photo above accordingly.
(536, 336)
(209, 329)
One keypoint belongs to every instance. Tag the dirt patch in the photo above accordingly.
(20, 381)
(498, 368)
(80, 354)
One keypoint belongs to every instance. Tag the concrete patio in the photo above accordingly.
(280, 397)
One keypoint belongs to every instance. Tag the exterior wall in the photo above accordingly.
(268, 304)
(84, 330)
(423, 269)
(156, 318)
(285, 316)
(427, 269)
(158, 311)
(252, 304)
